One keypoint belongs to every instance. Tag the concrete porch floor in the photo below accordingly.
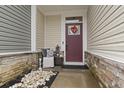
(73, 78)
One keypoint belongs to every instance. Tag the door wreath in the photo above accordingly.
(74, 29)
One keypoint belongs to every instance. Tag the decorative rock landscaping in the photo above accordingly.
(34, 79)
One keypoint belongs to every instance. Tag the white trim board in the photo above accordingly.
(44, 31)
(33, 27)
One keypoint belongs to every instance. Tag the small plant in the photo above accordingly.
(57, 50)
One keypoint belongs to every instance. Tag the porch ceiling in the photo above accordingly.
(48, 8)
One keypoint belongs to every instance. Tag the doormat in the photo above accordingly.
(45, 80)
(75, 67)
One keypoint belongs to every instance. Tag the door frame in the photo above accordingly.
(84, 32)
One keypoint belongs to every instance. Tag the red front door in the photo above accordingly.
(74, 42)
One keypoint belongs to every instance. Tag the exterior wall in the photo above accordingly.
(52, 31)
(108, 72)
(55, 35)
(16, 65)
(40, 30)
(106, 44)
(106, 31)
(15, 28)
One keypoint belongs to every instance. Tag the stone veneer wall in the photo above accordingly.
(14, 65)
(108, 72)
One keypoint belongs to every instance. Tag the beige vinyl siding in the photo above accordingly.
(15, 28)
(53, 31)
(40, 30)
(106, 30)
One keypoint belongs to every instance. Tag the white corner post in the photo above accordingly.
(33, 27)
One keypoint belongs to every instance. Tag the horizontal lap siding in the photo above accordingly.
(53, 31)
(40, 30)
(106, 29)
(15, 28)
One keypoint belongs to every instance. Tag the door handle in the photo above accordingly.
(66, 46)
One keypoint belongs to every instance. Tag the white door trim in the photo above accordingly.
(84, 36)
